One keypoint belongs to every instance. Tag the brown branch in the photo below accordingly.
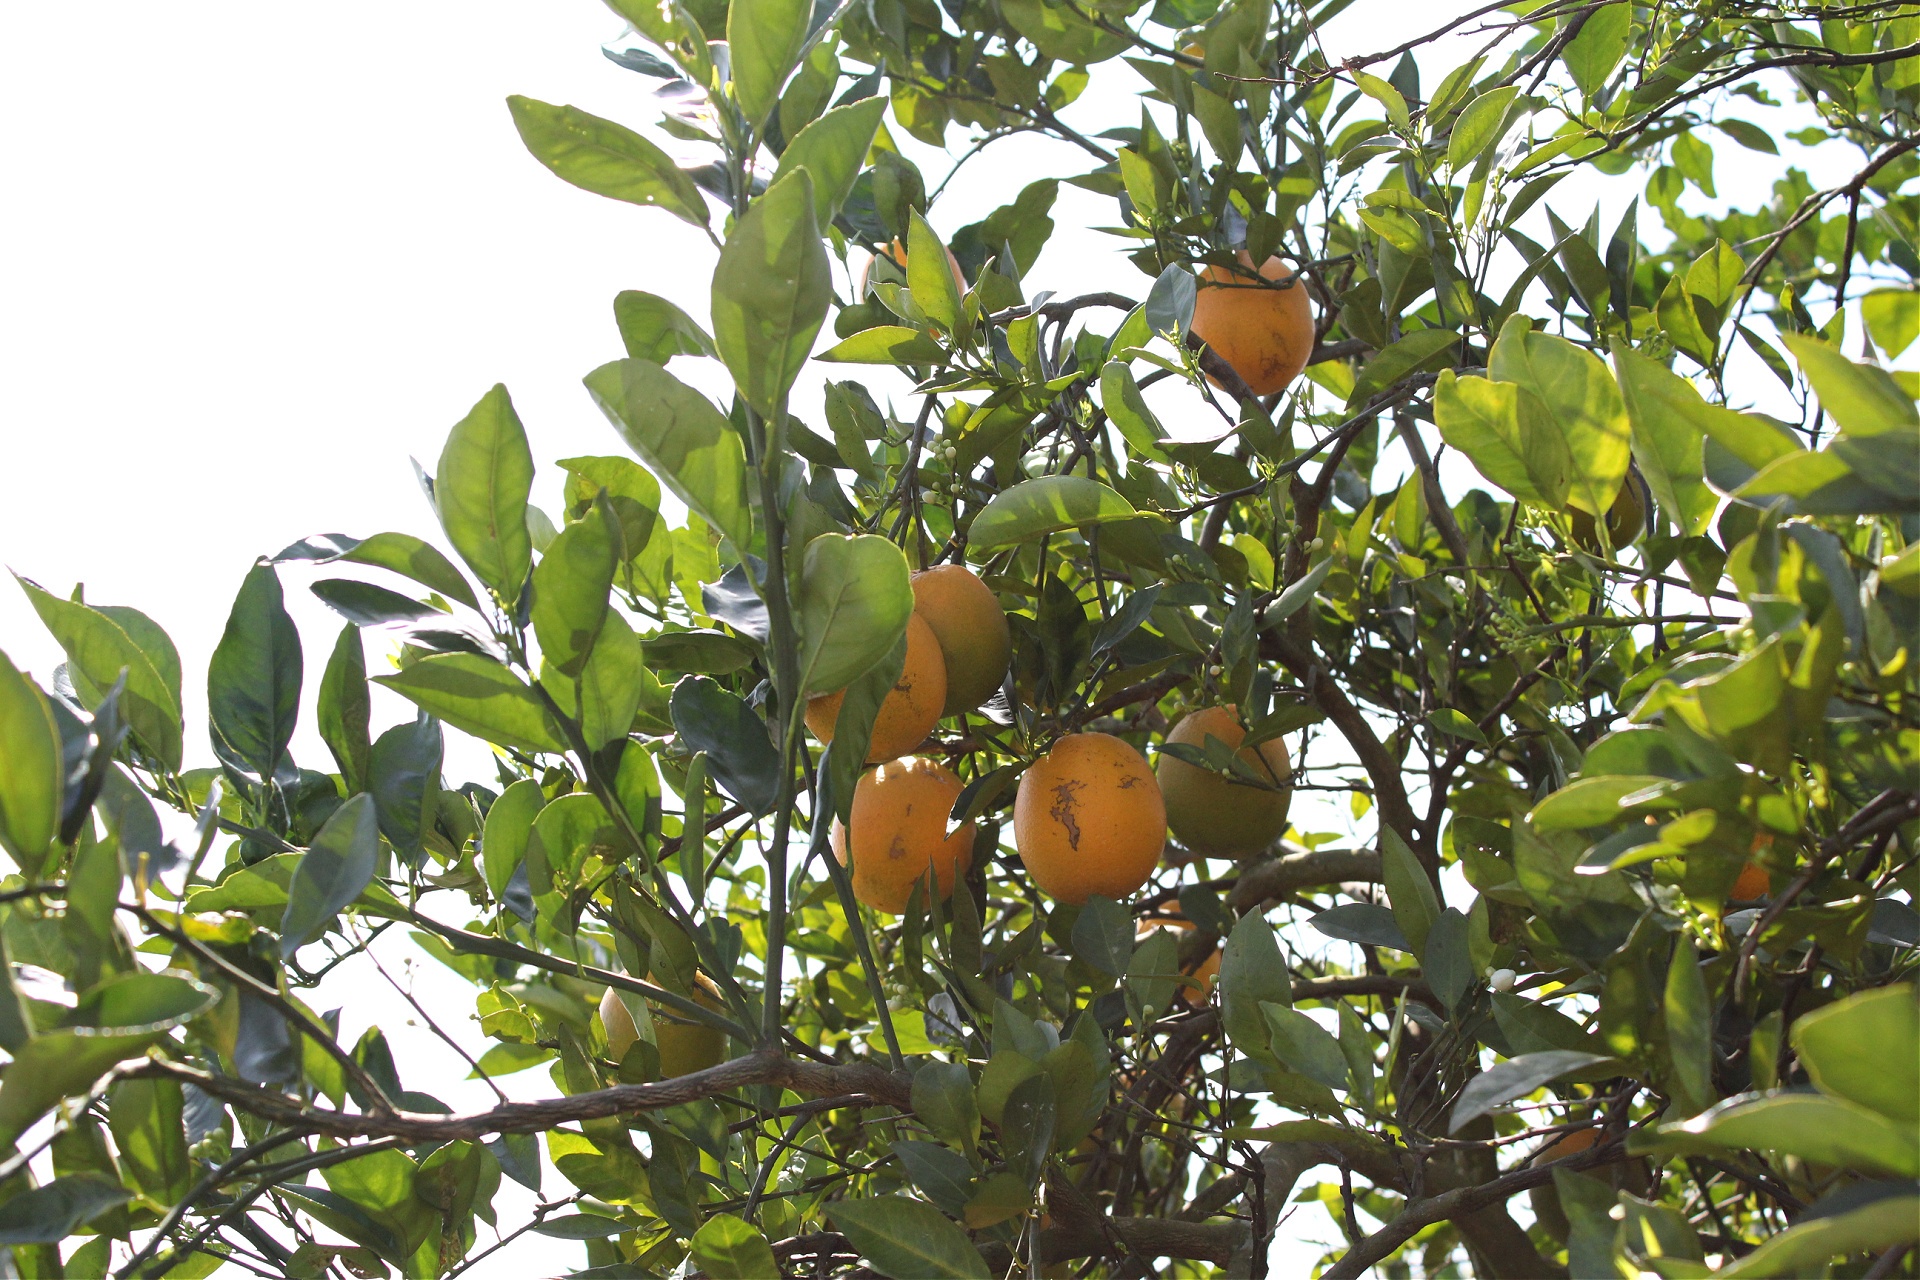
(1290, 872)
(539, 1117)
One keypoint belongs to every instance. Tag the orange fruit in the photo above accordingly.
(1088, 818)
(1266, 334)
(972, 630)
(908, 714)
(1625, 519)
(1567, 1144)
(1753, 884)
(1210, 814)
(897, 253)
(900, 829)
(685, 1047)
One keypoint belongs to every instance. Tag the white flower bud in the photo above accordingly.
(1501, 979)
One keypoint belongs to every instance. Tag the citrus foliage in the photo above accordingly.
(1625, 691)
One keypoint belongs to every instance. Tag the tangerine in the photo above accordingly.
(1752, 884)
(900, 829)
(909, 712)
(1567, 1144)
(1266, 334)
(1089, 818)
(1210, 814)
(685, 1047)
(972, 630)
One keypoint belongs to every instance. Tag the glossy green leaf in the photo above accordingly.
(1063, 32)
(729, 1249)
(606, 158)
(1515, 1078)
(1049, 504)
(1481, 419)
(1668, 415)
(608, 693)
(403, 777)
(340, 864)
(98, 648)
(853, 727)
(740, 754)
(481, 487)
(886, 344)
(49, 1214)
(1307, 1047)
(570, 587)
(1477, 127)
(935, 291)
(771, 290)
(1814, 1127)
(854, 601)
(1866, 1049)
(1252, 973)
(366, 605)
(906, 1239)
(943, 1099)
(1575, 396)
(503, 840)
(1689, 1021)
(146, 1118)
(479, 696)
(1416, 351)
(345, 710)
(653, 328)
(1415, 904)
(680, 435)
(1883, 1223)
(1862, 398)
(832, 149)
(1893, 318)
(400, 553)
(33, 781)
(763, 44)
(253, 682)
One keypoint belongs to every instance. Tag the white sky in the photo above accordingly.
(260, 254)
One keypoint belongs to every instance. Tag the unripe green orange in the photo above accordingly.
(972, 630)
(1625, 518)
(1211, 815)
(685, 1047)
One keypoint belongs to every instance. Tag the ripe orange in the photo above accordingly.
(1753, 884)
(972, 630)
(1088, 818)
(1567, 1144)
(900, 829)
(1211, 815)
(908, 714)
(897, 252)
(685, 1047)
(1266, 334)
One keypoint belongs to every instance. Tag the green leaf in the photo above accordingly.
(1307, 1047)
(846, 757)
(1252, 973)
(1814, 1127)
(345, 710)
(1588, 802)
(608, 693)
(729, 1249)
(1451, 721)
(1034, 508)
(1482, 420)
(680, 435)
(832, 149)
(403, 777)
(1591, 56)
(1893, 318)
(479, 696)
(854, 601)
(570, 588)
(146, 1117)
(1801, 1250)
(49, 1214)
(1478, 126)
(338, 866)
(116, 1020)
(597, 1226)
(1574, 396)
(503, 840)
(943, 1100)
(1515, 1078)
(1062, 33)
(481, 487)
(739, 752)
(98, 648)
(1866, 1049)
(1668, 415)
(1412, 353)
(34, 780)
(400, 553)
(1689, 1017)
(253, 681)
(653, 328)
(886, 344)
(606, 158)
(907, 1239)
(1750, 136)
(763, 44)
(771, 290)
(935, 291)
(1409, 892)
(366, 605)
(1862, 398)
(1446, 959)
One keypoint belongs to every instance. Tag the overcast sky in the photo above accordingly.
(260, 254)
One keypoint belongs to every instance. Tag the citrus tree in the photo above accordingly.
(889, 856)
